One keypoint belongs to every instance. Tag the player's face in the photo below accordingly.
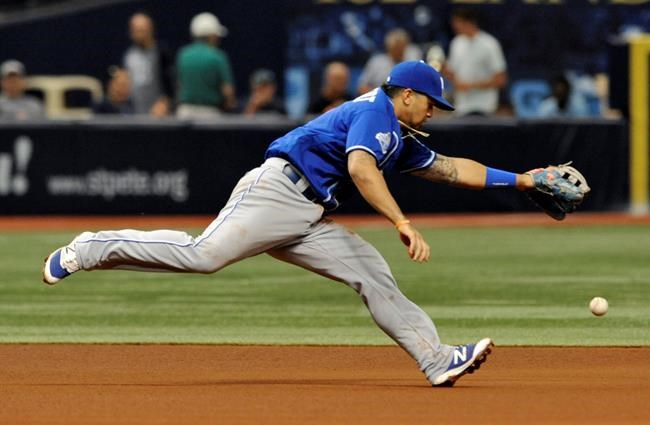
(421, 109)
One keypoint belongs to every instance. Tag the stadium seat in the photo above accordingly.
(59, 93)
(526, 96)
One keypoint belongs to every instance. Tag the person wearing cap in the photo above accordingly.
(281, 208)
(205, 80)
(335, 88)
(15, 105)
(475, 66)
(262, 99)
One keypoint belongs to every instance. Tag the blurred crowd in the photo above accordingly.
(197, 82)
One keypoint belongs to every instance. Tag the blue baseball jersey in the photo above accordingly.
(319, 148)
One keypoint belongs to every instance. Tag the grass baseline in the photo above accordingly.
(519, 285)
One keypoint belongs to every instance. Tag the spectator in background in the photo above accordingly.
(262, 98)
(335, 88)
(398, 49)
(118, 94)
(563, 101)
(150, 66)
(475, 66)
(14, 104)
(204, 73)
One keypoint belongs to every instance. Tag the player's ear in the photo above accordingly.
(407, 96)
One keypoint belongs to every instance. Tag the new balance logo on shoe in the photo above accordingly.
(460, 354)
(466, 359)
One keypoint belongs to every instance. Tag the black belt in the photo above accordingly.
(295, 177)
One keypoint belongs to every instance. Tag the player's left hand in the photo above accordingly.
(418, 248)
(558, 189)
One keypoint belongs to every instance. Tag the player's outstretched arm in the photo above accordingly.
(469, 174)
(371, 184)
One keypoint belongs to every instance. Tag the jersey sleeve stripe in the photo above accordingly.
(361, 147)
(425, 165)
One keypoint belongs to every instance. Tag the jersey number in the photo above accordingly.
(368, 97)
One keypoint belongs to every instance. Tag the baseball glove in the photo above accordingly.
(559, 189)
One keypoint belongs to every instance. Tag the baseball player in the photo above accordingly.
(281, 208)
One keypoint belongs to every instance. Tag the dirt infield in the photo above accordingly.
(195, 384)
(163, 384)
(36, 223)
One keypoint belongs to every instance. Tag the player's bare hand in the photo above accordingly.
(418, 249)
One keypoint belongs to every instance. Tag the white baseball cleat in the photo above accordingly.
(466, 359)
(60, 264)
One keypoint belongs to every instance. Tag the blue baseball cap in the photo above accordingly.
(421, 77)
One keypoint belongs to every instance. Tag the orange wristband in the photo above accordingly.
(399, 223)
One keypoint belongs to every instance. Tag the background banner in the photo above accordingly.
(99, 167)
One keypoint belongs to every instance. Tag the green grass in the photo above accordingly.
(518, 285)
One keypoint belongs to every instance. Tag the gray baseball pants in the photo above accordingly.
(266, 212)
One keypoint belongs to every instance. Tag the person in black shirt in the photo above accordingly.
(118, 95)
(263, 94)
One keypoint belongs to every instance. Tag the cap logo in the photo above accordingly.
(442, 84)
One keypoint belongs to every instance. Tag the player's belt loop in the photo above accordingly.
(295, 177)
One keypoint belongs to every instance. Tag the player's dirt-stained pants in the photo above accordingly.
(267, 213)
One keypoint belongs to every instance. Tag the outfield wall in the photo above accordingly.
(174, 167)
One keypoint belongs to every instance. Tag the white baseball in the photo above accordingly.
(599, 306)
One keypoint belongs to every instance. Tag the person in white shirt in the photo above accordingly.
(476, 66)
(149, 64)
